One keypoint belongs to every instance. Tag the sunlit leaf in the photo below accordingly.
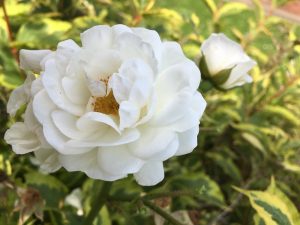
(273, 206)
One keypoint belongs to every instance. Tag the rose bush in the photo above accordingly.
(121, 104)
(225, 62)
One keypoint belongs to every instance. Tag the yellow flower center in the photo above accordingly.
(107, 104)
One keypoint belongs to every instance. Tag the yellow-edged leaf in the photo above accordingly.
(212, 5)
(282, 112)
(273, 206)
(232, 8)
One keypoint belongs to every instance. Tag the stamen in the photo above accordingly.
(107, 104)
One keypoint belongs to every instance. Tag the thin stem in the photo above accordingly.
(6, 18)
(221, 217)
(9, 30)
(99, 201)
(161, 212)
(170, 194)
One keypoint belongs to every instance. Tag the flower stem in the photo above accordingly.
(9, 30)
(98, 202)
(161, 212)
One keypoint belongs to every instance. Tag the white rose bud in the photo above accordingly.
(122, 103)
(224, 62)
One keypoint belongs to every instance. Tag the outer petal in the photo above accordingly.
(150, 174)
(151, 37)
(31, 59)
(154, 143)
(48, 160)
(100, 65)
(97, 38)
(174, 109)
(171, 54)
(65, 56)
(20, 95)
(131, 47)
(36, 86)
(66, 123)
(42, 106)
(238, 75)
(177, 77)
(109, 138)
(22, 139)
(88, 164)
(118, 29)
(30, 120)
(118, 160)
(59, 141)
(192, 116)
(187, 141)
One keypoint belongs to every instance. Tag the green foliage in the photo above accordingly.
(247, 134)
(273, 206)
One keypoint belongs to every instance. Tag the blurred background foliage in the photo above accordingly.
(249, 143)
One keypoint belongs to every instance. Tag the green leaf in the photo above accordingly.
(42, 33)
(226, 164)
(273, 206)
(254, 141)
(258, 220)
(283, 113)
(10, 76)
(232, 8)
(201, 184)
(51, 189)
(14, 8)
(258, 54)
(212, 5)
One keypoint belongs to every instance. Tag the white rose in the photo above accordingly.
(226, 63)
(121, 104)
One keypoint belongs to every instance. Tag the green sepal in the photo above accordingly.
(203, 68)
(221, 77)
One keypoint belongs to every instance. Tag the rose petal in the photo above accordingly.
(174, 79)
(52, 83)
(132, 47)
(76, 90)
(31, 59)
(109, 138)
(238, 75)
(151, 37)
(66, 123)
(152, 142)
(42, 106)
(118, 160)
(48, 160)
(97, 38)
(88, 164)
(21, 138)
(129, 114)
(20, 95)
(172, 54)
(150, 174)
(187, 141)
